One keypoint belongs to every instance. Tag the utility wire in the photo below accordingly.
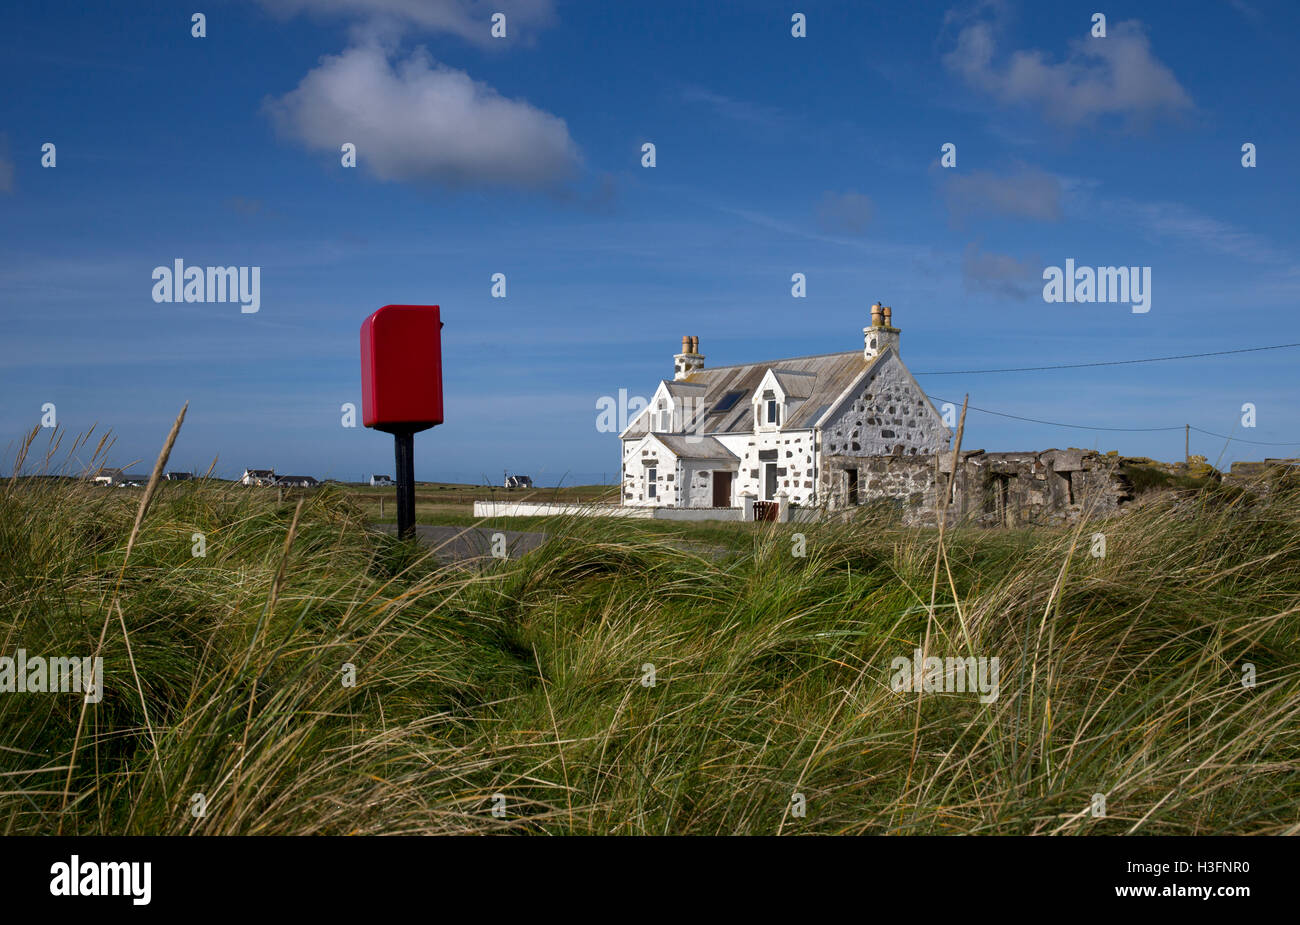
(1017, 417)
(1034, 369)
(1238, 439)
(1209, 433)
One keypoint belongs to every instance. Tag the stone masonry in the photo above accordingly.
(990, 489)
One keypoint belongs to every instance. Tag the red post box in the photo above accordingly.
(401, 388)
(401, 368)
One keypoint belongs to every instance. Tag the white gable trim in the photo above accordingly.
(661, 392)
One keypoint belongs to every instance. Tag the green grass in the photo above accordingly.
(1119, 675)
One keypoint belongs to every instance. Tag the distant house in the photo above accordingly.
(107, 476)
(258, 477)
(178, 476)
(118, 478)
(380, 480)
(518, 481)
(296, 481)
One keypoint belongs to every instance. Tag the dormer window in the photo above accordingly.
(665, 417)
(769, 404)
(770, 410)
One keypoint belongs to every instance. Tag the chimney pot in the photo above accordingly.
(695, 344)
(889, 321)
(877, 317)
(686, 343)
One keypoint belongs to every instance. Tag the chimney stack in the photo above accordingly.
(689, 360)
(881, 334)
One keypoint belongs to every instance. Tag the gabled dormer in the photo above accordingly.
(779, 395)
(769, 403)
(675, 407)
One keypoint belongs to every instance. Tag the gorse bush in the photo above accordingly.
(619, 680)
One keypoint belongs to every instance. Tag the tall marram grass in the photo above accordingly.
(1120, 675)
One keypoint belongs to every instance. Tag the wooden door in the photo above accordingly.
(722, 489)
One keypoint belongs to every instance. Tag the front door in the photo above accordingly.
(722, 489)
(769, 483)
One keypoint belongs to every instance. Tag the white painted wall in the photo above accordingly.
(887, 412)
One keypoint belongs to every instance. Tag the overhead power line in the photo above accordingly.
(1034, 369)
(1200, 430)
(1211, 433)
(1003, 414)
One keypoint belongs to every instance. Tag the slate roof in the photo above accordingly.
(813, 384)
(698, 448)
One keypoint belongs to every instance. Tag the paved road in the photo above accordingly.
(470, 544)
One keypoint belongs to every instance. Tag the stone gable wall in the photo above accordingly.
(888, 416)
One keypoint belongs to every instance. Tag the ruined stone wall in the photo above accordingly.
(990, 489)
(1264, 477)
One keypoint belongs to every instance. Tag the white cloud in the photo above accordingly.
(469, 19)
(1169, 220)
(418, 120)
(1115, 75)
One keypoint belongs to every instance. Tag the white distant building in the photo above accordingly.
(380, 480)
(710, 436)
(519, 481)
(107, 476)
(258, 477)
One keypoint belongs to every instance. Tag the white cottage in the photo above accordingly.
(711, 436)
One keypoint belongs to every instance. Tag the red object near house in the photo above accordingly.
(401, 368)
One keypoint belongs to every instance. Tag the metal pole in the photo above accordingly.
(404, 450)
(1187, 446)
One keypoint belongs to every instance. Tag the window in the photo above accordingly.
(665, 417)
(1068, 481)
(728, 401)
(651, 477)
(773, 413)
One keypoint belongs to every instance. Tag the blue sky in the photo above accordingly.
(774, 155)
